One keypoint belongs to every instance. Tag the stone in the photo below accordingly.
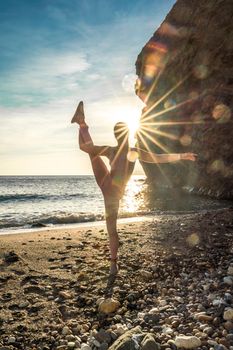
(103, 346)
(85, 346)
(103, 336)
(24, 304)
(96, 343)
(126, 341)
(149, 343)
(228, 280)
(203, 317)
(228, 326)
(64, 295)
(11, 340)
(228, 314)
(187, 342)
(66, 331)
(120, 328)
(208, 330)
(230, 270)
(71, 345)
(228, 298)
(108, 306)
(11, 257)
(147, 275)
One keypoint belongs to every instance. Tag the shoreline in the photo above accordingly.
(121, 220)
(74, 226)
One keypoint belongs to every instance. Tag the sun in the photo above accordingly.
(132, 120)
(130, 114)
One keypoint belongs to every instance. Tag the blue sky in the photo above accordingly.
(56, 52)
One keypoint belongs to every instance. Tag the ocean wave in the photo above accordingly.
(59, 219)
(34, 196)
(49, 219)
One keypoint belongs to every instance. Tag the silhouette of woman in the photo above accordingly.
(112, 183)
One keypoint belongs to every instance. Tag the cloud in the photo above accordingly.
(43, 77)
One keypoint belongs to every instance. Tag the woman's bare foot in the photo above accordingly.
(79, 116)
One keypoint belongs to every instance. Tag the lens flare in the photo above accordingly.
(186, 140)
(193, 240)
(200, 71)
(128, 82)
(169, 103)
(221, 113)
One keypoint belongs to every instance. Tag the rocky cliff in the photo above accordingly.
(185, 78)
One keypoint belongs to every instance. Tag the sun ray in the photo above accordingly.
(172, 108)
(153, 140)
(165, 95)
(169, 123)
(153, 86)
(161, 133)
(158, 165)
(120, 149)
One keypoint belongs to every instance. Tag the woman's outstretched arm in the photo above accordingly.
(150, 157)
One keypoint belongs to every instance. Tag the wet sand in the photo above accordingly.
(171, 269)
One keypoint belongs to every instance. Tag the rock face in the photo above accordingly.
(185, 77)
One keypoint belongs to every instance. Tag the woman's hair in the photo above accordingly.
(121, 131)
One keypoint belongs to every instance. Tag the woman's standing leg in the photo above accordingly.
(111, 210)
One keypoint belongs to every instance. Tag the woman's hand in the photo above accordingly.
(188, 156)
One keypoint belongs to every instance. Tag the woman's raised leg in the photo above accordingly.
(99, 168)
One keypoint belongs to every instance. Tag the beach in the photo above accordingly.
(175, 278)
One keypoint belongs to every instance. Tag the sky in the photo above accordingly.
(55, 53)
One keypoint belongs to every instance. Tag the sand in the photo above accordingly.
(59, 275)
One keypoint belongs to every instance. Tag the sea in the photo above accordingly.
(28, 202)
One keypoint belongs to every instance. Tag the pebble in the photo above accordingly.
(230, 270)
(85, 347)
(24, 304)
(228, 326)
(208, 330)
(187, 342)
(103, 346)
(149, 343)
(96, 343)
(66, 330)
(71, 344)
(203, 317)
(11, 340)
(228, 280)
(228, 315)
(109, 305)
(103, 336)
(146, 274)
(65, 295)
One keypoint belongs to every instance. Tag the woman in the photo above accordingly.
(112, 183)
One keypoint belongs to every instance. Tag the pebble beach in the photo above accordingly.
(174, 288)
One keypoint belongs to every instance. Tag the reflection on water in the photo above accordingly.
(140, 197)
(133, 200)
